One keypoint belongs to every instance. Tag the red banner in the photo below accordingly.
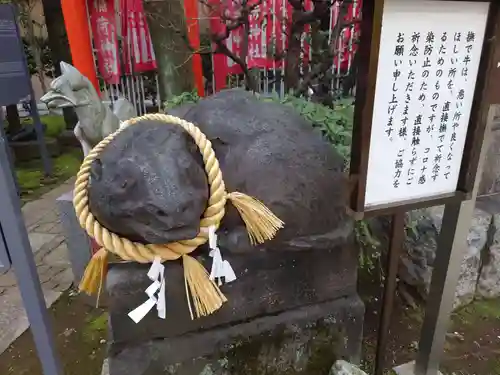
(265, 37)
(267, 40)
(137, 47)
(347, 44)
(103, 22)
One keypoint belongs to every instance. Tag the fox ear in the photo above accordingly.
(73, 75)
(65, 67)
(69, 69)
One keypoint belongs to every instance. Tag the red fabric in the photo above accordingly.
(138, 53)
(94, 246)
(103, 22)
(353, 13)
(267, 32)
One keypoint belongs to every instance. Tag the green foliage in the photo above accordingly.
(54, 124)
(48, 65)
(335, 123)
(369, 254)
(478, 311)
(31, 178)
(95, 327)
(99, 323)
(184, 98)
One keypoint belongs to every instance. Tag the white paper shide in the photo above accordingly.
(155, 293)
(428, 63)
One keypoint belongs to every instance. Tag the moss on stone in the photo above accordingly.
(289, 349)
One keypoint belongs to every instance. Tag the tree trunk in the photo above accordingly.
(35, 48)
(292, 59)
(167, 25)
(59, 47)
(13, 119)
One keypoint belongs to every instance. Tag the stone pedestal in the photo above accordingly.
(79, 247)
(288, 313)
(408, 369)
(78, 242)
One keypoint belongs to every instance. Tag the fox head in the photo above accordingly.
(70, 89)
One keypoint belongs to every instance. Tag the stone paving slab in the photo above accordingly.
(52, 262)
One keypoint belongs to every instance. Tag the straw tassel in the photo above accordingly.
(261, 223)
(95, 272)
(205, 295)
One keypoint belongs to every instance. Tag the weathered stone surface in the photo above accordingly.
(38, 240)
(58, 256)
(420, 249)
(469, 269)
(408, 369)
(489, 281)
(55, 277)
(488, 285)
(342, 367)
(490, 178)
(267, 283)
(77, 240)
(13, 319)
(306, 341)
(150, 185)
(29, 150)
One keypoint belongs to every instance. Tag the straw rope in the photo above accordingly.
(129, 250)
(204, 294)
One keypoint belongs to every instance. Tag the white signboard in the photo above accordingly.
(428, 63)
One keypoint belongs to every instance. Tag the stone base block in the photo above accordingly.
(306, 341)
(79, 248)
(408, 369)
(29, 150)
(268, 283)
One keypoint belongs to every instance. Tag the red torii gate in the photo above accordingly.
(77, 28)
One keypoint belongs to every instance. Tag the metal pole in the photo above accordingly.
(47, 162)
(395, 244)
(449, 255)
(8, 152)
(16, 241)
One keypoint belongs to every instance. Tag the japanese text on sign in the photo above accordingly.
(428, 63)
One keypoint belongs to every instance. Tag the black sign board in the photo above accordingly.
(14, 76)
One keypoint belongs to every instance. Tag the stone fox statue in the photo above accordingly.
(149, 184)
(95, 119)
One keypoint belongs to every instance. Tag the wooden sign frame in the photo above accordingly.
(365, 94)
(371, 30)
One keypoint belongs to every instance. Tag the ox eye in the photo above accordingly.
(161, 213)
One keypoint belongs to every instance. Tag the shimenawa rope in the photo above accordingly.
(201, 292)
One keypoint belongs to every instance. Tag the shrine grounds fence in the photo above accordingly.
(142, 89)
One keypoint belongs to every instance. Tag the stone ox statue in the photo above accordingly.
(293, 308)
(149, 184)
(95, 119)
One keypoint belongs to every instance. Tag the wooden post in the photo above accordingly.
(193, 29)
(77, 28)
